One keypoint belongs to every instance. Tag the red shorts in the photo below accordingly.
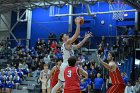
(116, 89)
(53, 84)
(72, 91)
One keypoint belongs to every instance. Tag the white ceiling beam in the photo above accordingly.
(93, 13)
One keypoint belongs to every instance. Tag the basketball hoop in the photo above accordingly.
(118, 8)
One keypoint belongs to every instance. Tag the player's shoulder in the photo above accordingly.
(112, 63)
(55, 68)
(112, 66)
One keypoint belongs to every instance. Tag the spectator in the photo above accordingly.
(129, 88)
(53, 45)
(3, 83)
(59, 55)
(20, 74)
(93, 72)
(108, 83)
(41, 64)
(82, 59)
(55, 50)
(49, 46)
(9, 52)
(43, 43)
(25, 69)
(9, 85)
(98, 84)
(83, 86)
(87, 69)
(38, 43)
(33, 52)
(87, 63)
(29, 60)
(16, 80)
(137, 87)
(50, 36)
(124, 77)
(47, 59)
(54, 37)
(19, 45)
(89, 84)
(27, 50)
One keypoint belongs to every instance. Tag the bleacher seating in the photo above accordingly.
(19, 91)
(31, 78)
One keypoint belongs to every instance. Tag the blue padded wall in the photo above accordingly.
(43, 24)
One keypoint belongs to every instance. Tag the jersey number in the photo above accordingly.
(69, 73)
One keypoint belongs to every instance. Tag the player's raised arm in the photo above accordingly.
(111, 66)
(87, 36)
(103, 63)
(77, 32)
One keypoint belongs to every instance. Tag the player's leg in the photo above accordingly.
(61, 73)
(44, 87)
(111, 89)
(60, 77)
(48, 87)
(72, 91)
(120, 88)
(57, 86)
(116, 89)
(52, 85)
(48, 90)
(43, 90)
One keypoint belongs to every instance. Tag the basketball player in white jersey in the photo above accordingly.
(67, 51)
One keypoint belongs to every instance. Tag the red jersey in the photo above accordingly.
(72, 81)
(54, 79)
(55, 75)
(116, 77)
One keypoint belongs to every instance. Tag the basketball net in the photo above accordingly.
(118, 8)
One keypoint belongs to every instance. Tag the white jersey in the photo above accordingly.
(66, 52)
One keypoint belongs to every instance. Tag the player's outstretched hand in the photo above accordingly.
(77, 20)
(88, 35)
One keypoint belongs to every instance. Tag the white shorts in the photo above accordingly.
(44, 84)
(61, 73)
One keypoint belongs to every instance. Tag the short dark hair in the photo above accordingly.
(72, 60)
(113, 55)
(60, 37)
(59, 59)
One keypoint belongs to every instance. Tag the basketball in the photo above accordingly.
(81, 20)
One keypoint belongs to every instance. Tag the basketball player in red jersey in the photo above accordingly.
(54, 74)
(72, 77)
(118, 84)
